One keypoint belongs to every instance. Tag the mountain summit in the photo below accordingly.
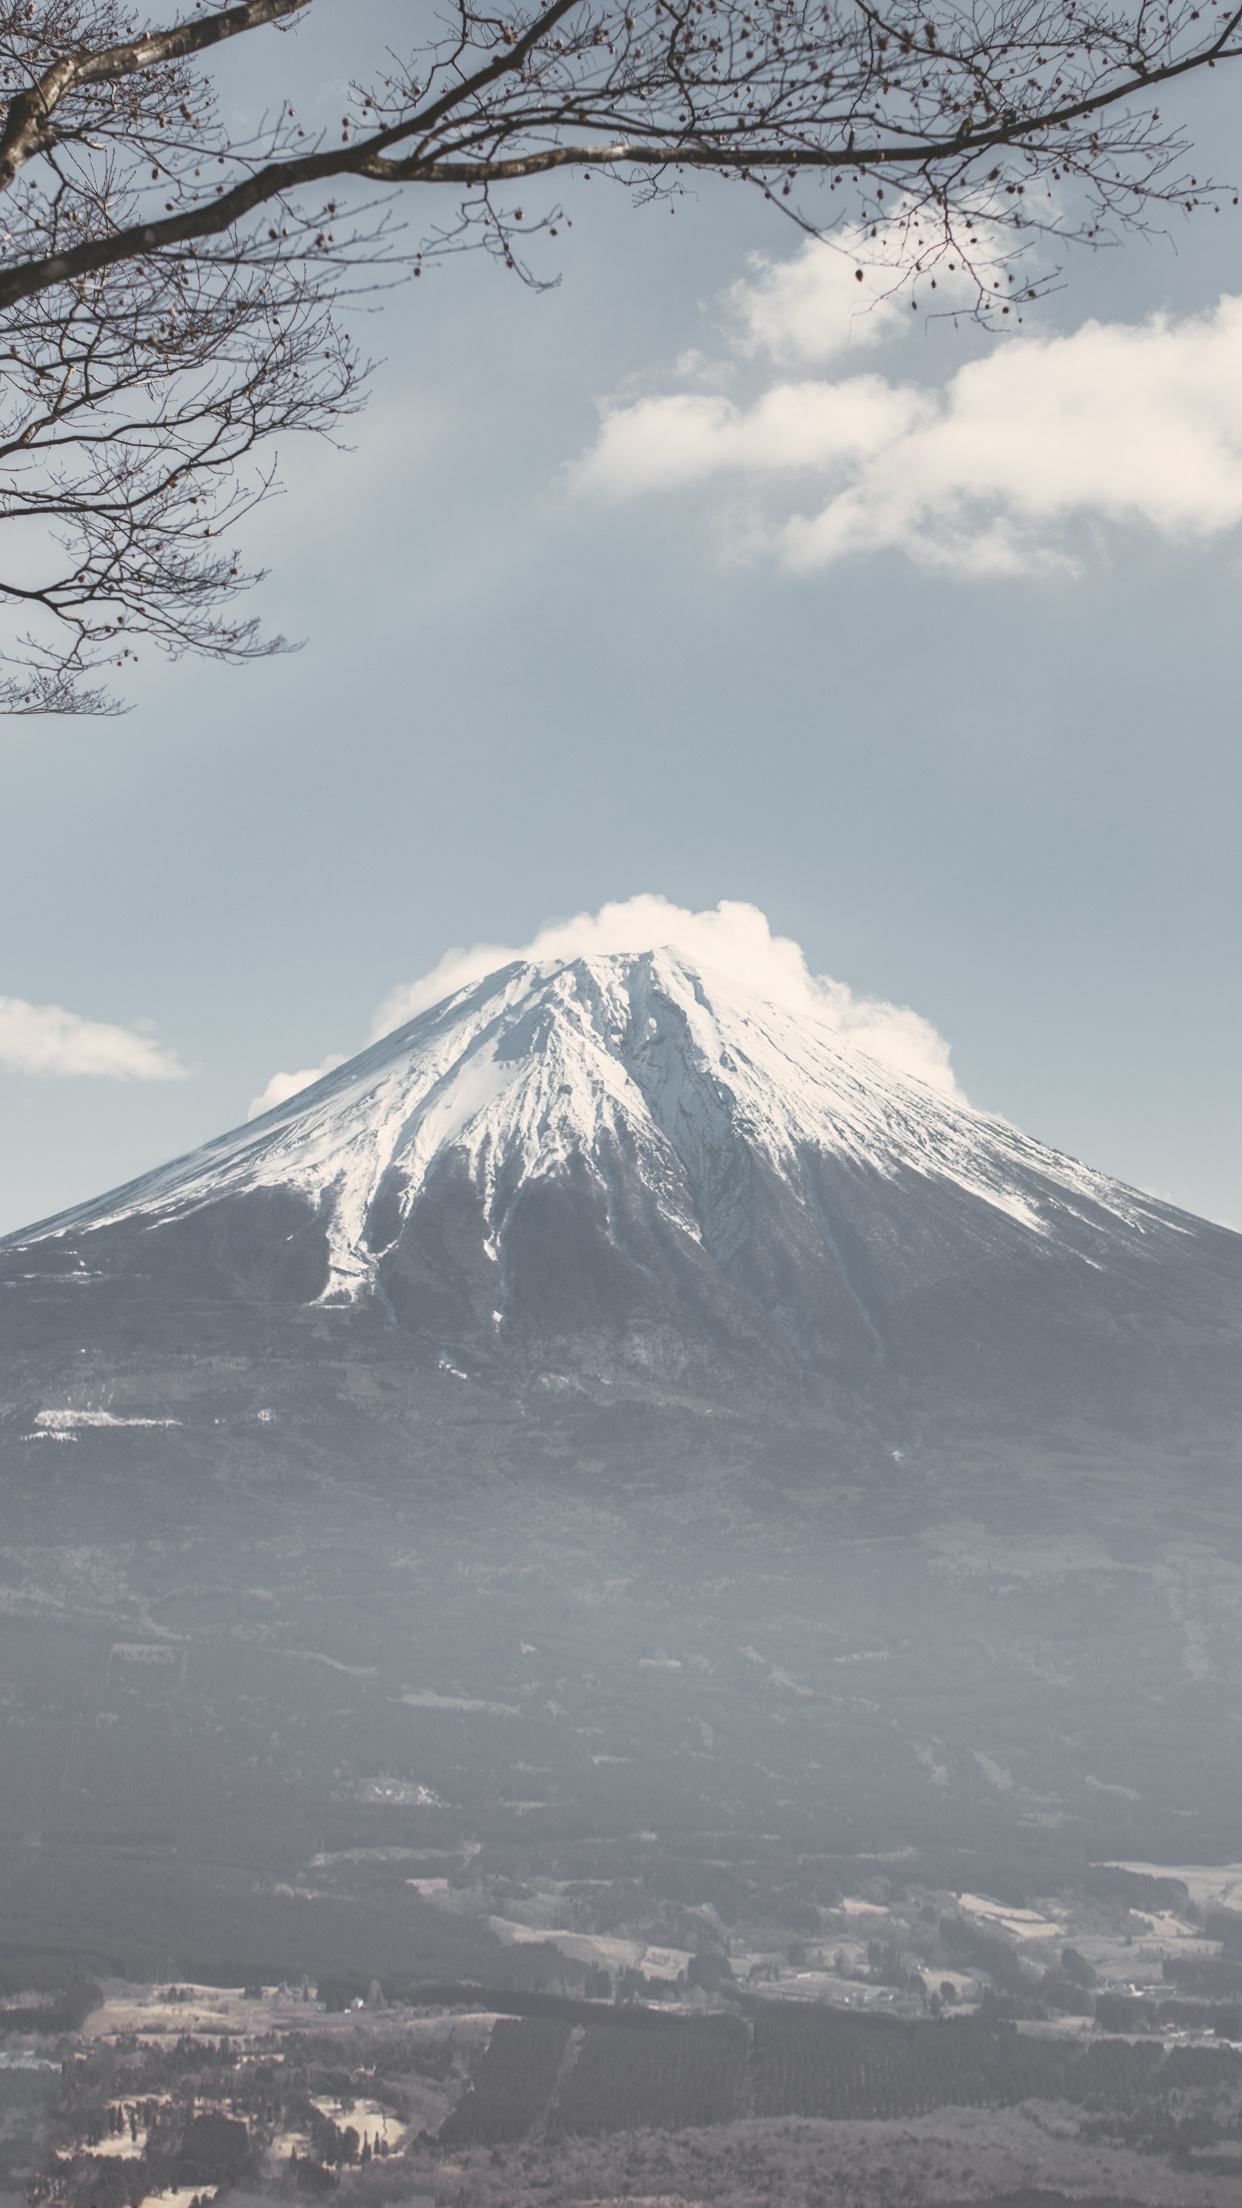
(627, 1171)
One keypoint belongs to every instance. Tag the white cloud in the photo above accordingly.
(44, 1038)
(1134, 425)
(661, 444)
(734, 937)
(284, 1085)
(816, 304)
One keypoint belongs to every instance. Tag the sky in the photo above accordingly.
(690, 579)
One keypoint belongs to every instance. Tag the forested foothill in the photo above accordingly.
(857, 2046)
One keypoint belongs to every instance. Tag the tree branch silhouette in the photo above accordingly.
(168, 291)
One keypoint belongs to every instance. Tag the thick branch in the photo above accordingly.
(26, 124)
(153, 360)
(278, 179)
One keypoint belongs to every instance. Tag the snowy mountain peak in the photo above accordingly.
(637, 1077)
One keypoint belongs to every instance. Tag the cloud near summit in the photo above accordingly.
(735, 938)
(990, 472)
(284, 1085)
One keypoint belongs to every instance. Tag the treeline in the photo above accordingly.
(1204, 1974)
(521, 2001)
(1137, 2012)
(512, 2085)
(800, 2060)
(63, 2010)
(685, 2072)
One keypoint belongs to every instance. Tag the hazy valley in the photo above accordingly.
(613, 1494)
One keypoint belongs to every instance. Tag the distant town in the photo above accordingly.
(905, 2036)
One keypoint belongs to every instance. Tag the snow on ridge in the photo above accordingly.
(64, 1422)
(544, 1063)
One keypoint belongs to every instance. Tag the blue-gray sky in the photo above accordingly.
(1007, 799)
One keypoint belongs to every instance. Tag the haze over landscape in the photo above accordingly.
(620, 1211)
(589, 1493)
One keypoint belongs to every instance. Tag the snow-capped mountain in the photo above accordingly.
(614, 1404)
(629, 1167)
(541, 1070)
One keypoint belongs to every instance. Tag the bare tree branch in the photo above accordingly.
(167, 292)
(29, 121)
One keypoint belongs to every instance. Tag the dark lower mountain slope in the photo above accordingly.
(607, 1408)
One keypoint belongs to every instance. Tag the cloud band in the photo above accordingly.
(45, 1039)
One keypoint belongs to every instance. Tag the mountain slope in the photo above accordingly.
(612, 1404)
(626, 1171)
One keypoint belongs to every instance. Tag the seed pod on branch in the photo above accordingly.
(163, 322)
